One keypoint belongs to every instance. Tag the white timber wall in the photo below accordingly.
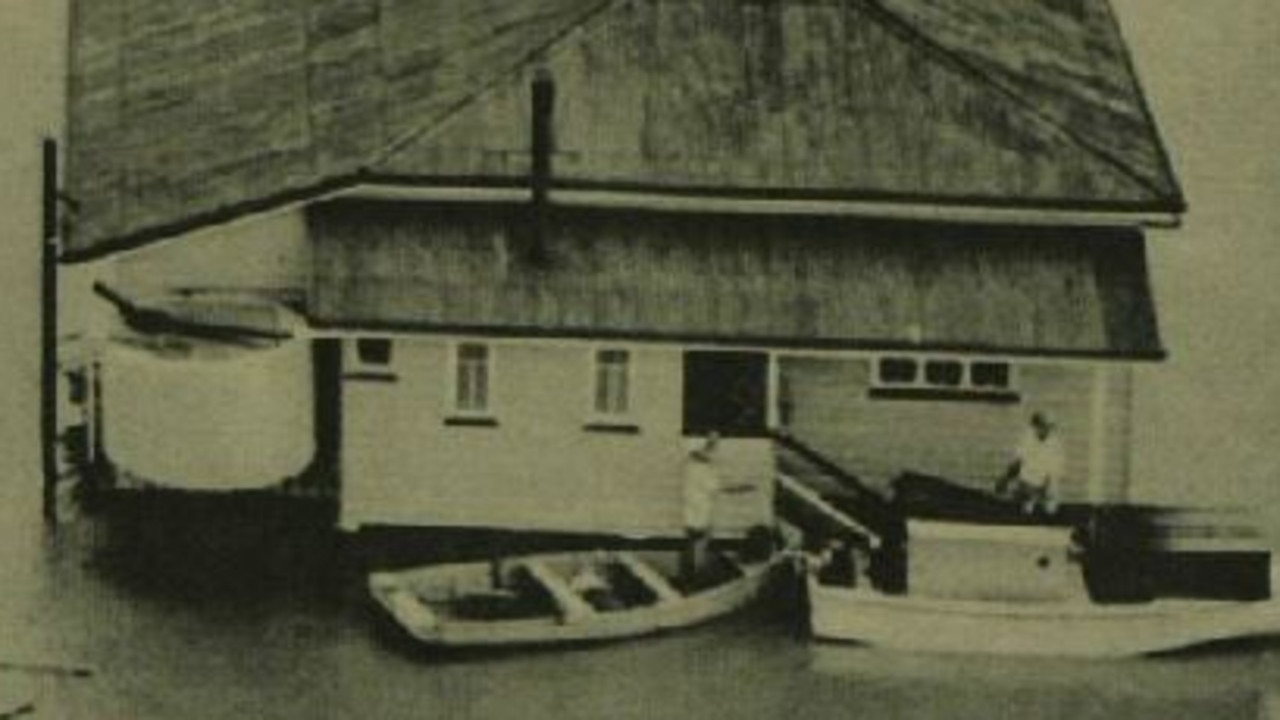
(539, 468)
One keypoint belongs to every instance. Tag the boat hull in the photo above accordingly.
(1070, 628)
(394, 593)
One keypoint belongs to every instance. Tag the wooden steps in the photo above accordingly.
(813, 503)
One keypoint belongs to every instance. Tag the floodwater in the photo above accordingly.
(164, 624)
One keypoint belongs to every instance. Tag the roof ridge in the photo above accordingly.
(894, 20)
(399, 144)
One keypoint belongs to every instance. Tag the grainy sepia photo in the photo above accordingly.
(639, 359)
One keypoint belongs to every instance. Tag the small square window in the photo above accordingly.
(374, 351)
(899, 371)
(944, 373)
(989, 375)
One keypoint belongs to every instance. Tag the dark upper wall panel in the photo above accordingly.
(800, 282)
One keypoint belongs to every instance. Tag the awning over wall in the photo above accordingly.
(228, 315)
(204, 416)
(793, 282)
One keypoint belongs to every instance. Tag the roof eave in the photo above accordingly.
(1162, 213)
(790, 343)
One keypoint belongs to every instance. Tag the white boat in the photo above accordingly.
(1076, 628)
(535, 600)
(976, 588)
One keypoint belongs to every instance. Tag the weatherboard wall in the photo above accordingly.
(409, 460)
(833, 409)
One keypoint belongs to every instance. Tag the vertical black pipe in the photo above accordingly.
(542, 143)
(49, 332)
(543, 111)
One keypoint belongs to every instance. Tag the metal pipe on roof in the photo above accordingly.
(542, 145)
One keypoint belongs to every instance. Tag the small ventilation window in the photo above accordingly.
(374, 352)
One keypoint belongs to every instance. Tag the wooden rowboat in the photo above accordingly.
(1076, 628)
(535, 600)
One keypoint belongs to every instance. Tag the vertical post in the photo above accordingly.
(49, 332)
(773, 414)
(1098, 436)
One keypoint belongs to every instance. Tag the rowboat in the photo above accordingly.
(1074, 628)
(543, 599)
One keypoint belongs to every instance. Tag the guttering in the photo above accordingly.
(962, 210)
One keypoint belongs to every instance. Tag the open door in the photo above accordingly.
(726, 393)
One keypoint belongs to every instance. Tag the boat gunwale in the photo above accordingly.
(555, 628)
(1038, 609)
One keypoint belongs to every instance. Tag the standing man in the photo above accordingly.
(701, 485)
(1034, 476)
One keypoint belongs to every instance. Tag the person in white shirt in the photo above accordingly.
(1035, 475)
(701, 485)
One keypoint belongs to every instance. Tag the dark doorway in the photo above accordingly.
(726, 393)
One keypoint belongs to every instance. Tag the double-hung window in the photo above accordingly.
(471, 386)
(612, 392)
(612, 384)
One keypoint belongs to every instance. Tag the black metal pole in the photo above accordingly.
(49, 334)
(543, 145)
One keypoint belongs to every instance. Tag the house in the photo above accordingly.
(497, 263)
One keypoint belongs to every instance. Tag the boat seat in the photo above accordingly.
(654, 580)
(572, 606)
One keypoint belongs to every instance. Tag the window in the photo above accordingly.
(372, 361)
(613, 383)
(373, 351)
(934, 378)
(991, 375)
(896, 370)
(943, 373)
(471, 380)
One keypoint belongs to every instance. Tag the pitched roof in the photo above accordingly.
(183, 114)
(816, 283)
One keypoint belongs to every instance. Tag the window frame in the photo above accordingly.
(604, 420)
(364, 363)
(358, 368)
(455, 410)
(920, 387)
